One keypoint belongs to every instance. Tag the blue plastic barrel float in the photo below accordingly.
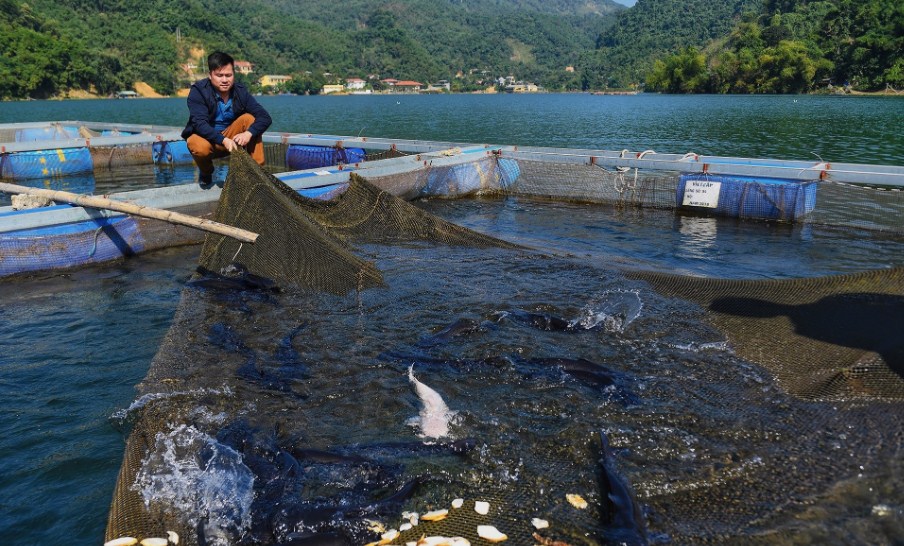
(173, 152)
(747, 196)
(46, 163)
(303, 156)
(70, 245)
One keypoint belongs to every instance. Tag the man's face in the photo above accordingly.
(222, 78)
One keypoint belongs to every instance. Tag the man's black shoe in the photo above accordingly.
(205, 181)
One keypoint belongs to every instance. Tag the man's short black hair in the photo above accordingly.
(218, 59)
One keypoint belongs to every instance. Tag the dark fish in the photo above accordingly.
(223, 336)
(459, 328)
(403, 450)
(580, 368)
(327, 457)
(591, 373)
(271, 377)
(274, 380)
(542, 321)
(421, 359)
(234, 276)
(371, 453)
(285, 351)
(403, 494)
(344, 515)
(622, 515)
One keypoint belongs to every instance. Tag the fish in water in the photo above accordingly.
(459, 328)
(622, 514)
(234, 276)
(590, 373)
(434, 416)
(541, 321)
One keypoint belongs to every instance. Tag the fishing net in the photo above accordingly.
(737, 411)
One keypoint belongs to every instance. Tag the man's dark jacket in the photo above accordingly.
(202, 111)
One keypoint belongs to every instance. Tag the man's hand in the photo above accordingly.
(242, 139)
(230, 144)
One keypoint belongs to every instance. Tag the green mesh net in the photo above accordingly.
(736, 411)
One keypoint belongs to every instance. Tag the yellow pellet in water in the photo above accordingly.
(122, 541)
(435, 515)
(488, 532)
(577, 501)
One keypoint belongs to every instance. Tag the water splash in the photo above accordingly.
(121, 415)
(615, 311)
(201, 479)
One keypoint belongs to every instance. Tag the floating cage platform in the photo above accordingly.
(64, 155)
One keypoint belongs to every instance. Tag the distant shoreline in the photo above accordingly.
(89, 96)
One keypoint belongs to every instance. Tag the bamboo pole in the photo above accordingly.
(93, 201)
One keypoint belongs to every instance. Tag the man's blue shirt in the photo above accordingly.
(225, 115)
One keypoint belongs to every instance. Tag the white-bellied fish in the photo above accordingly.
(434, 416)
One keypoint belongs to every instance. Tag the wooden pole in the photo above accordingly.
(93, 201)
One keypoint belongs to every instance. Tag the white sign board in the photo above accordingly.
(701, 193)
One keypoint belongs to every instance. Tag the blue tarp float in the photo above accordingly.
(300, 156)
(747, 197)
(171, 153)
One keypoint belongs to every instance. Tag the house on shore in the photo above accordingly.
(272, 80)
(355, 84)
(243, 67)
(331, 88)
(406, 86)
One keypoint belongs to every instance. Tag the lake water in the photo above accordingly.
(74, 345)
(836, 128)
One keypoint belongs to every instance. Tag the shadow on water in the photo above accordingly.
(867, 321)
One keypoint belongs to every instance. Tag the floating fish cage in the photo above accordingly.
(664, 410)
(236, 437)
(792, 192)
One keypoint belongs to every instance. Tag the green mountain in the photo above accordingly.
(50, 47)
(653, 29)
(796, 46)
(109, 44)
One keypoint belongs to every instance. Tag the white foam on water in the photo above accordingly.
(715, 346)
(201, 479)
(142, 401)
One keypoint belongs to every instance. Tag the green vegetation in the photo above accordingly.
(796, 47)
(53, 47)
(653, 29)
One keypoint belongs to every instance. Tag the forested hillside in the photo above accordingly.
(653, 29)
(51, 46)
(796, 46)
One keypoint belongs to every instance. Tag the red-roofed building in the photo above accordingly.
(407, 86)
(243, 67)
(354, 84)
